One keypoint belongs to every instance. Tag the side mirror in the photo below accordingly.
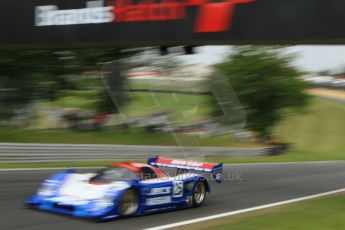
(71, 170)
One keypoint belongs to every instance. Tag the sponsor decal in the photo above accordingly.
(160, 191)
(211, 16)
(177, 188)
(158, 200)
(187, 163)
(219, 176)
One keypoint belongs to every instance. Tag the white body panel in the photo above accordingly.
(77, 187)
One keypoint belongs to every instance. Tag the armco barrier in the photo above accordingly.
(10, 152)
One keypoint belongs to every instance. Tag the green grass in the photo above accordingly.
(184, 108)
(318, 134)
(83, 99)
(317, 214)
(108, 137)
(201, 85)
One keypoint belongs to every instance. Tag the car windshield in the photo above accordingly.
(113, 174)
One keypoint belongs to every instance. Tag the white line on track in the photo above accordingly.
(226, 214)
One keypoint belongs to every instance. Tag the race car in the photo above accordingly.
(127, 189)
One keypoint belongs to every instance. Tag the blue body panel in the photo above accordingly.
(157, 196)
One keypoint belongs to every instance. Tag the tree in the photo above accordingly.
(27, 75)
(22, 79)
(266, 84)
(110, 62)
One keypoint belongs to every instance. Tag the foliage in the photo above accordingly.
(266, 83)
(27, 75)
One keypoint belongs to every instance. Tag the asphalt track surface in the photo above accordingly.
(255, 185)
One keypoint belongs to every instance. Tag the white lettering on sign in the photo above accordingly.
(50, 15)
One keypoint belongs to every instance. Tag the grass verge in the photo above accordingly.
(315, 135)
(317, 214)
(142, 104)
(133, 137)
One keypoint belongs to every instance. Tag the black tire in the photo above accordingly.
(129, 203)
(199, 193)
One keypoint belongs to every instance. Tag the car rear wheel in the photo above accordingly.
(199, 193)
(128, 204)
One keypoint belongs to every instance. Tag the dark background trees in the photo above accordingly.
(266, 84)
(28, 75)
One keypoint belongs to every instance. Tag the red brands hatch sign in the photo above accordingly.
(126, 23)
(211, 16)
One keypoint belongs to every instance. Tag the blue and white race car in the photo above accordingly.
(126, 189)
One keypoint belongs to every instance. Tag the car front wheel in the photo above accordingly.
(128, 204)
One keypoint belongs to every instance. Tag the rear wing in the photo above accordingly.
(215, 169)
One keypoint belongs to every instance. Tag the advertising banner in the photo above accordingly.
(170, 22)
